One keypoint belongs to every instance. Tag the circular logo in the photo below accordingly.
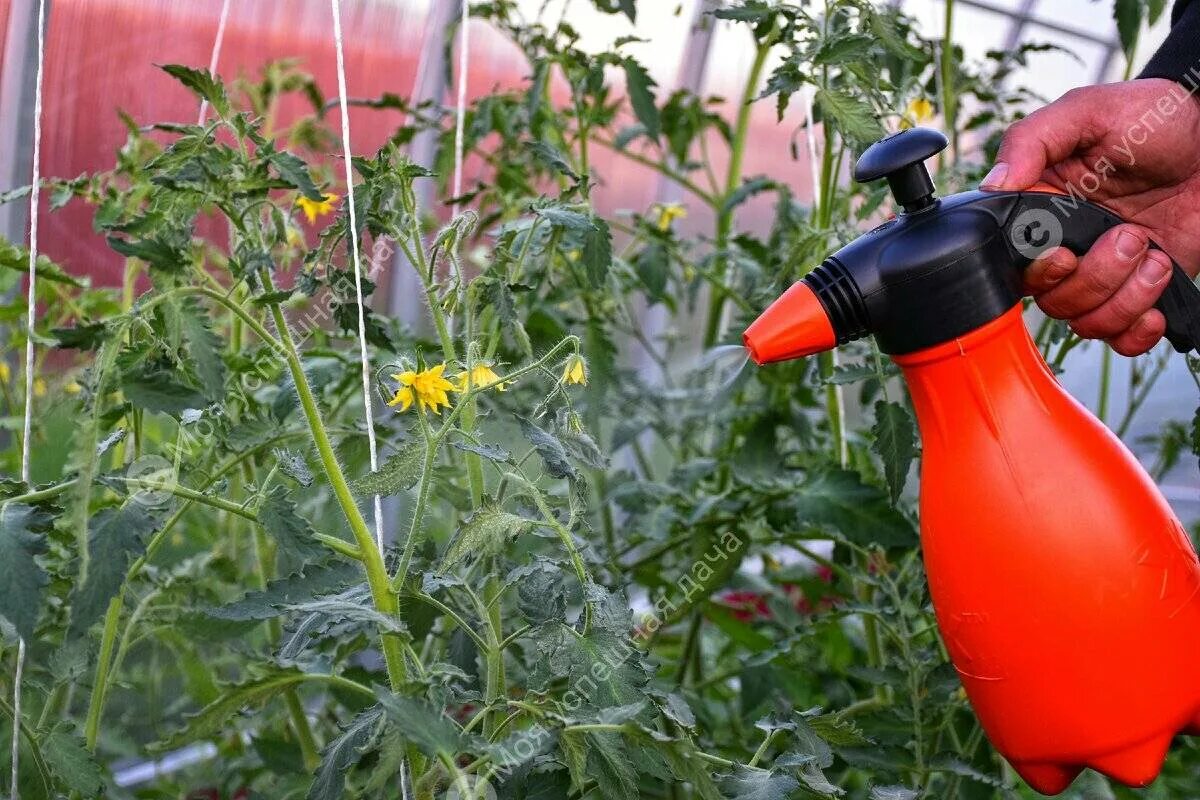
(150, 480)
(1035, 232)
(470, 788)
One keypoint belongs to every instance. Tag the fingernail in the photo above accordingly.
(1152, 271)
(1129, 245)
(995, 178)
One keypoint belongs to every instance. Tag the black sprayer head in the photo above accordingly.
(901, 159)
(944, 267)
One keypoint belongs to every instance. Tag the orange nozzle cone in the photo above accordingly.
(795, 325)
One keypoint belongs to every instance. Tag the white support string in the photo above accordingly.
(464, 42)
(216, 55)
(362, 321)
(30, 319)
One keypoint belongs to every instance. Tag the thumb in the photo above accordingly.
(1041, 140)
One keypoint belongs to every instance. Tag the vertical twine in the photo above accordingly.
(30, 319)
(216, 55)
(362, 321)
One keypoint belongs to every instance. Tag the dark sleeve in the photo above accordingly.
(1179, 57)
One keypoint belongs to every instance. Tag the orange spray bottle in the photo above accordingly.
(1065, 589)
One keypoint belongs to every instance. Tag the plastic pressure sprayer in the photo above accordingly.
(1066, 591)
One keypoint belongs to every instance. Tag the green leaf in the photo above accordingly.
(893, 793)
(291, 532)
(607, 761)
(492, 452)
(398, 473)
(294, 466)
(294, 172)
(155, 386)
(217, 717)
(541, 596)
(204, 348)
(751, 11)
(851, 116)
(565, 218)
(553, 452)
(352, 605)
(483, 534)
(895, 443)
(1154, 10)
(313, 581)
(843, 49)
(21, 578)
(758, 784)
(1128, 14)
(202, 82)
(17, 259)
(158, 253)
(70, 762)
(80, 337)
(343, 752)
(552, 157)
(638, 83)
(115, 536)
(421, 724)
(838, 499)
(945, 763)
(597, 253)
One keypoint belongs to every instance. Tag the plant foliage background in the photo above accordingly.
(197, 562)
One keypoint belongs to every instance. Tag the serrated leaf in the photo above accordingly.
(758, 784)
(541, 596)
(638, 83)
(204, 348)
(492, 452)
(294, 466)
(838, 731)
(421, 724)
(958, 767)
(398, 473)
(80, 337)
(1128, 15)
(483, 534)
(312, 582)
(353, 605)
(551, 157)
(343, 752)
(22, 579)
(893, 793)
(553, 453)
(215, 718)
(753, 11)
(158, 390)
(597, 253)
(294, 172)
(851, 116)
(115, 536)
(839, 500)
(294, 535)
(895, 443)
(202, 82)
(70, 762)
(565, 218)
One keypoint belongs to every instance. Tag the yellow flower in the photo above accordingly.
(575, 371)
(5, 373)
(919, 110)
(39, 387)
(427, 389)
(316, 208)
(668, 213)
(73, 387)
(480, 375)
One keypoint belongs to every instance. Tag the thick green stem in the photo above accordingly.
(1105, 384)
(91, 729)
(372, 559)
(949, 99)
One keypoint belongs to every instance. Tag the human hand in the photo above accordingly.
(1117, 146)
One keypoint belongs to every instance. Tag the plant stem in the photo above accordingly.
(1105, 384)
(733, 179)
(949, 100)
(372, 559)
(91, 729)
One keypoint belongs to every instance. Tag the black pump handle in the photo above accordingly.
(1044, 220)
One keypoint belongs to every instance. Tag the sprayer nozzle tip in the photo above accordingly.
(793, 326)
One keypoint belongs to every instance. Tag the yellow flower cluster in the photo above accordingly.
(316, 208)
(668, 213)
(429, 389)
(919, 111)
